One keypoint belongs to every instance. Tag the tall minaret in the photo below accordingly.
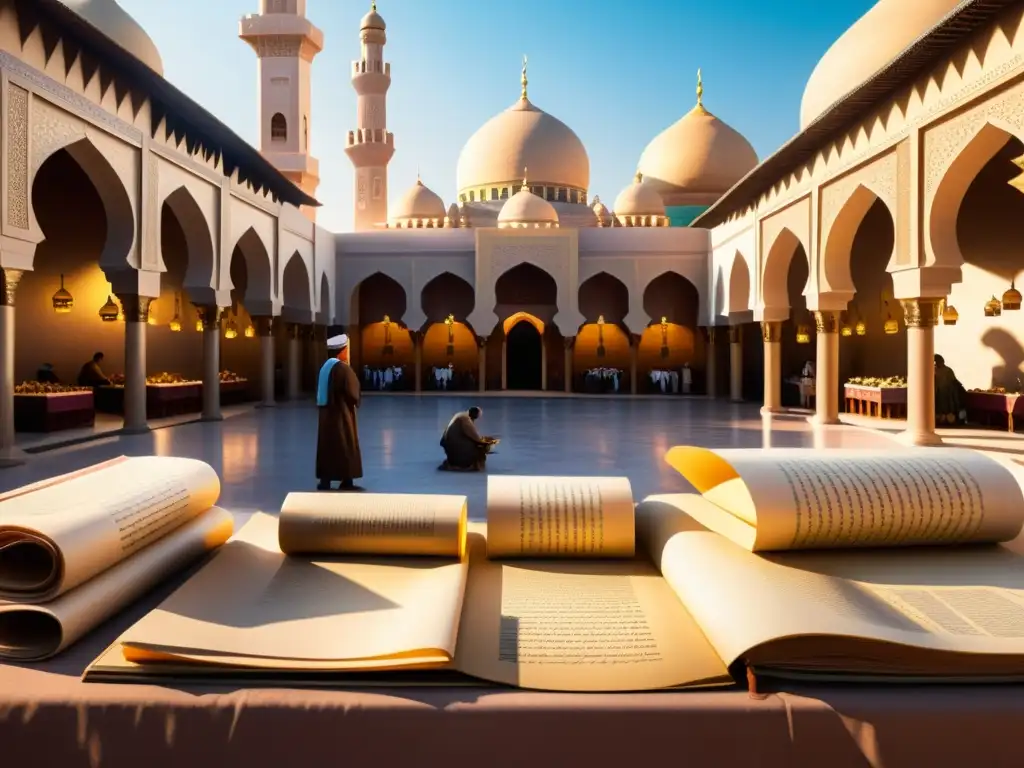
(286, 42)
(370, 147)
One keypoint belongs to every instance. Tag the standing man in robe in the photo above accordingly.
(337, 397)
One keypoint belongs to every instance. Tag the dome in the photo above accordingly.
(523, 136)
(874, 40)
(373, 20)
(114, 22)
(696, 159)
(419, 203)
(601, 211)
(525, 209)
(639, 199)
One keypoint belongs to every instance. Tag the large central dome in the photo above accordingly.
(523, 137)
(113, 21)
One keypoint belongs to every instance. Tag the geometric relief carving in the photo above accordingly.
(52, 129)
(878, 176)
(942, 142)
(901, 219)
(17, 157)
(150, 252)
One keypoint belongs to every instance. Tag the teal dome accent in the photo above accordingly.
(683, 215)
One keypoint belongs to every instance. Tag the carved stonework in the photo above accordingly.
(735, 334)
(878, 176)
(771, 331)
(904, 201)
(943, 142)
(278, 47)
(135, 308)
(151, 206)
(52, 129)
(826, 322)
(17, 157)
(920, 313)
(210, 315)
(11, 278)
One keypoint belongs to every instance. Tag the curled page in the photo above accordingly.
(373, 524)
(58, 534)
(780, 499)
(36, 632)
(560, 517)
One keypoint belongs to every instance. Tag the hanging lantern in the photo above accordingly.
(250, 331)
(109, 311)
(389, 348)
(861, 328)
(450, 322)
(803, 334)
(120, 312)
(993, 308)
(231, 330)
(62, 300)
(150, 317)
(846, 331)
(1011, 299)
(949, 313)
(891, 326)
(199, 325)
(175, 324)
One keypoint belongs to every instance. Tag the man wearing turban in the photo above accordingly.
(338, 459)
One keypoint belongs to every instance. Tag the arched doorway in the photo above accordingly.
(450, 356)
(600, 353)
(524, 356)
(670, 341)
(527, 292)
(385, 343)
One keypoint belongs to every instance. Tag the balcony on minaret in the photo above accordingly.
(371, 77)
(370, 147)
(258, 30)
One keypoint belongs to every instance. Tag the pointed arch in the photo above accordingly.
(775, 280)
(739, 285)
(943, 247)
(198, 240)
(326, 314)
(378, 295)
(674, 297)
(526, 284)
(117, 205)
(447, 294)
(837, 263)
(253, 255)
(603, 295)
(296, 290)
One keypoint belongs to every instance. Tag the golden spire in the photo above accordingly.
(526, 184)
(419, 180)
(638, 178)
(523, 81)
(700, 93)
(373, 6)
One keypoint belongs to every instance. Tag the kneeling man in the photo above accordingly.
(464, 448)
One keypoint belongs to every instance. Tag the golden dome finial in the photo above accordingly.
(373, 6)
(639, 177)
(526, 173)
(523, 81)
(700, 89)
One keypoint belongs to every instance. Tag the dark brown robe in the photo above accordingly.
(463, 446)
(337, 442)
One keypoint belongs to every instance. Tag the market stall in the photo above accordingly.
(884, 398)
(40, 407)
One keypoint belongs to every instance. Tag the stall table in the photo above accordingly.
(234, 392)
(53, 411)
(990, 407)
(162, 400)
(880, 402)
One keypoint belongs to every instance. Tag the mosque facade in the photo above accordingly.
(135, 223)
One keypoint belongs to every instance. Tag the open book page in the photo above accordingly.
(560, 517)
(30, 632)
(373, 524)
(806, 499)
(61, 534)
(252, 606)
(928, 611)
(575, 625)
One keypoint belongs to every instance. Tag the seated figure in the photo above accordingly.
(950, 396)
(465, 449)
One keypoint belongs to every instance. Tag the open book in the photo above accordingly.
(345, 585)
(77, 548)
(790, 499)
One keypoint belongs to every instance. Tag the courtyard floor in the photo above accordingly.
(262, 454)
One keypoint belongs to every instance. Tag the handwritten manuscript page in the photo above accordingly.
(805, 499)
(61, 534)
(373, 524)
(252, 606)
(30, 632)
(560, 517)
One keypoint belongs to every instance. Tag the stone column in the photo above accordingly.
(294, 360)
(265, 329)
(771, 334)
(543, 364)
(136, 321)
(711, 361)
(568, 364)
(736, 363)
(417, 353)
(355, 347)
(504, 363)
(921, 317)
(634, 352)
(481, 362)
(211, 317)
(10, 455)
(826, 382)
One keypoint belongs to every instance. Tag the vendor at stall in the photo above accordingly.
(950, 395)
(91, 374)
(46, 374)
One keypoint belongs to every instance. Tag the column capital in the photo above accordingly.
(135, 307)
(826, 321)
(709, 333)
(771, 331)
(11, 278)
(569, 342)
(211, 316)
(481, 342)
(294, 330)
(264, 325)
(921, 313)
(735, 334)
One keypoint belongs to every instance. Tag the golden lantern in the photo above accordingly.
(62, 300)
(845, 329)
(199, 325)
(993, 308)
(949, 313)
(150, 317)
(664, 336)
(891, 326)
(450, 322)
(175, 324)
(389, 348)
(109, 311)
(231, 330)
(1012, 298)
(861, 328)
(250, 331)
(803, 334)
(120, 312)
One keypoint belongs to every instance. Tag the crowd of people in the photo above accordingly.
(388, 379)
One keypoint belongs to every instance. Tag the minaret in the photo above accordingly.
(370, 147)
(286, 42)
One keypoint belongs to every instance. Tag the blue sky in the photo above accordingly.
(616, 72)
